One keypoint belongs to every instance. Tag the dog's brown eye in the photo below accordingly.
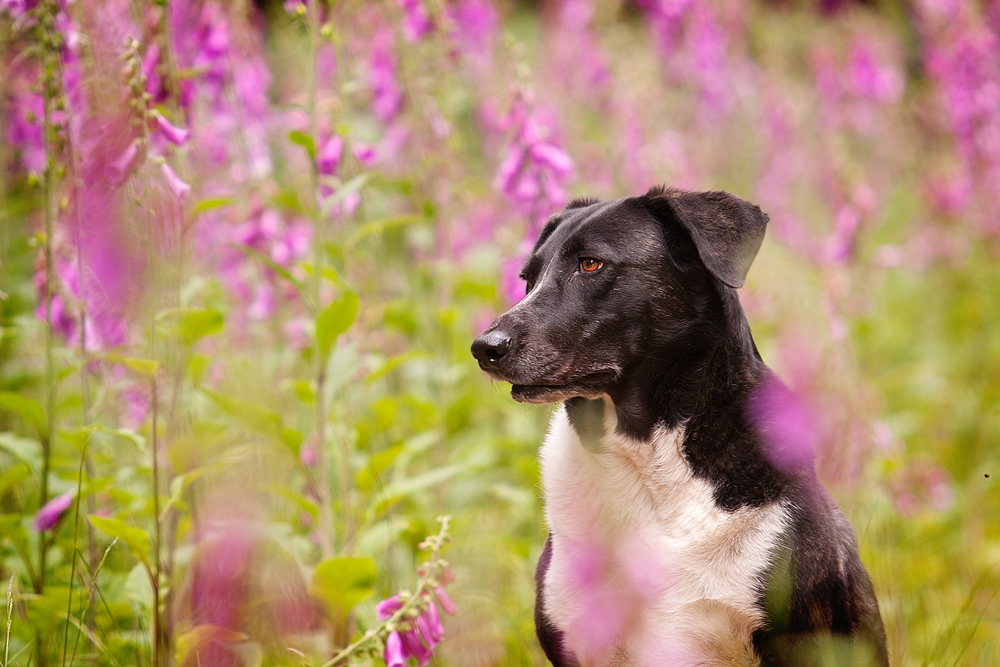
(590, 265)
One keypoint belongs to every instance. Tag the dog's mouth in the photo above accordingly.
(589, 386)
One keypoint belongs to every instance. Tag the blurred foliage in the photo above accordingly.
(261, 539)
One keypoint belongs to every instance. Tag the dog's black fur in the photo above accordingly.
(659, 328)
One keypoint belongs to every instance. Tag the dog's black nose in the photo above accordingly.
(491, 347)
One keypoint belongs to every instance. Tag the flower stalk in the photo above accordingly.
(325, 508)
(431, 575)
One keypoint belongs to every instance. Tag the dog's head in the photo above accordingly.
(614, 287)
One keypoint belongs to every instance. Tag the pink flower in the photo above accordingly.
(366, 154)
(328, 158)
(173, 134)
(308, 455)
(177, 187)
(788, 427)
(394, 651)
(388, 607)
(419, 641)
(120, 169)
(49, 515)
(417, 21)
(387, 98)
(535, 169)
(476, 23)
(446, 604)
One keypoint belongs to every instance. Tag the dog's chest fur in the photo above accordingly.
(645, 568)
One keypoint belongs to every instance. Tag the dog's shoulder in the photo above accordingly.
(818, 599)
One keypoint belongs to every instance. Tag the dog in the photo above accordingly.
(676, 536)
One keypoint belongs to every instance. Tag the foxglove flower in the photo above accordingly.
(177, 187)
(387, 98)
(394, 656)
(121, 167)
(446, 604)
(417, 22)
(49, 515)
(328, 157)
(171, 133)
(535, 169)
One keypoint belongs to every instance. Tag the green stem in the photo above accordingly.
(325, 508)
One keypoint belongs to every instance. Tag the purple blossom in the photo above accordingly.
(394, 656)
(49, 515)
(694, 47)
(962, 56)
(366, 154)
(425, 633)
(107, 286)
(535, 169)
(171, 133)
(476, 25)
(177, 187)
(119, 170)
(387, 98)
(416, 22)
(328, 157)
(841, 242)
(576, 57)
(446, 604)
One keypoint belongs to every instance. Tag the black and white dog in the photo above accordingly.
(675, 537)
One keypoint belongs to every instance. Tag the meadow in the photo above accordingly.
(245, 247)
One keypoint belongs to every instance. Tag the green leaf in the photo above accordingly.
(257, 417)
(27, 408)
(126, 434)
(144, 367)
(209, 204)
(137, 539)
(378, 464)
(342, 582)
(29, 451)
(13, 474)
(78, 437)
(411, 485)
(200, 636)
(304, 140)
(304, 391)
(192, 324)
(335, 320)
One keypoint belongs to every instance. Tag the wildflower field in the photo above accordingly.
(245, 247)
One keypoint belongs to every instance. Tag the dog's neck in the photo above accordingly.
(676, 384)
(702, 384)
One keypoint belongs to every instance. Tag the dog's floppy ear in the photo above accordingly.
(726, 230)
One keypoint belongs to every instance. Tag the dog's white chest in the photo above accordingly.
(645, 568)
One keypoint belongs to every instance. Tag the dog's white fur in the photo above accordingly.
(646, 569)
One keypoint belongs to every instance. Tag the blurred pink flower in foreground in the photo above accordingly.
(49, 515)
(788, 426)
